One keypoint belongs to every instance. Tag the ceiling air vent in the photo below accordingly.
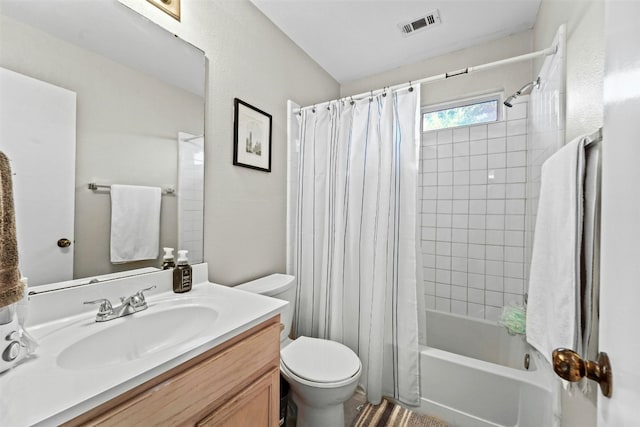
(419, 24)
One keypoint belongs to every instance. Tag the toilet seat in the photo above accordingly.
(320, 361)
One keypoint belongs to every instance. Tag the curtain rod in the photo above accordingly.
(544, 52)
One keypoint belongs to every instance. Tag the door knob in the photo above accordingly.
(569, 365)
(64, 243)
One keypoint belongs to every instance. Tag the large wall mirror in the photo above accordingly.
(133, 95)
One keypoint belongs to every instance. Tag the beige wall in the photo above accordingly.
(251, 59)
(508, 78)
(584, 112)
(127, 125)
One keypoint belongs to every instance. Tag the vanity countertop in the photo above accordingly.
(41, 392)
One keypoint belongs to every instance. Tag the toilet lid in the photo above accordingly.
(320, 361)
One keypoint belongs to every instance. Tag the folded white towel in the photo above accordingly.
(135, 223)
(553, 311)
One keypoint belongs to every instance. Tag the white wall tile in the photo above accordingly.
(477, 237)
(496, 145)
(477, 222)
(461, 163)
(475, 296)
(478, 176)
(495, 207)
(497, 176)
(478, 132)
(428, 247)
(461, 178)
(460, 221)
(517, 127)
(495, 237)
(429, 152)
(498, 160)
(497, 130)
(514, 222)
(459, 250)
(459, 235)
(444, 206)
(443, 248)
(445, 178)
(478, 147)
(461, 134)
(459, 293)
(513, 285)
(475, 266)
(496, 191)
(458, 307)
(461, 192)
(517, 143)
(516, 175)
(429, 274)
(492, 313)
(445, 165)
(516, 191)
(428, 219)
(514, 254)
(475, 251)
(478, 192)
(443, 304)
(430, 166)
(516, 159)
(514, 238)
(429, 288)
(443, 234)
(491, 298)
(460, 149)
(445, 150)
(460, 206)
(428, 260)
(445, 136)
(514, 270)
(494, 283)
(494, 252)
(495, 268)
(428, 206)
(477, 206)
(429, 178)
(443, 276)
(478, 162)
(495, 222)
(430, 302)
(429, 138)
(428, 233)
(443, 291)
(442, 263)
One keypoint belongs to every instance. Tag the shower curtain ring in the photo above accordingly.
(410, 86)
(313, 109)
(371, 96)
(352, 101)
(384, 91)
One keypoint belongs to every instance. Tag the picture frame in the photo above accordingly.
(251, 137)
(170, 7)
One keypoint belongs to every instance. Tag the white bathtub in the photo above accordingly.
(472, 374)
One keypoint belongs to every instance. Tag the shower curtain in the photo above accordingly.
(354, 236)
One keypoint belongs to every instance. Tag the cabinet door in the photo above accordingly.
(256, 406)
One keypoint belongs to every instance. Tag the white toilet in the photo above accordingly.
(322, 374)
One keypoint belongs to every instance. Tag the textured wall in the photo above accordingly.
(508, 78)
(251, 59)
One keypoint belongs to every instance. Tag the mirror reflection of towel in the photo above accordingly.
(11, 288)
(135, 223)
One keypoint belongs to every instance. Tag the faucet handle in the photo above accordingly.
(138, 299)
(105, 305)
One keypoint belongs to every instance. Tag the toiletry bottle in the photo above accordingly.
(167, 260)
(182, 279)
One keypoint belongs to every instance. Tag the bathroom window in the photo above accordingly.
(461, 113)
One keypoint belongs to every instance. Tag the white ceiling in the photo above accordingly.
(352, 39)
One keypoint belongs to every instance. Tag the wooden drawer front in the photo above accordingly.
(256, 406)
(191, 394)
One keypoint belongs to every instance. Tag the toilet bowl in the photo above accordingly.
(322, 374)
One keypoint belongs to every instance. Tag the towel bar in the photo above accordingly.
(93, 186)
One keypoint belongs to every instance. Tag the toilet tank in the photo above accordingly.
(279, 286)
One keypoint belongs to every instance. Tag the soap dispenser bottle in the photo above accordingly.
(167, 261)
(182, 279)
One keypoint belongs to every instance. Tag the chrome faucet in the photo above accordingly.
(130, 305)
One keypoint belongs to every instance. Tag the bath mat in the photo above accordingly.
(388, 414)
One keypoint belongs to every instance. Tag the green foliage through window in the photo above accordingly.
(482, 112)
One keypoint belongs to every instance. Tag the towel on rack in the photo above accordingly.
(11, 287)
(135, 223)
(554, 306)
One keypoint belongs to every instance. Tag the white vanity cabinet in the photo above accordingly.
(233, 384)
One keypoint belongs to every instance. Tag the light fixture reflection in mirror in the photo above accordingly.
(138, 87)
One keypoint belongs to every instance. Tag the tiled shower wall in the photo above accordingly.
(473, 216)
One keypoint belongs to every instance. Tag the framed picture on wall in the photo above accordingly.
(251, 137)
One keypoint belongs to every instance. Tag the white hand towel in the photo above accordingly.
(135, 223)
(553, 313)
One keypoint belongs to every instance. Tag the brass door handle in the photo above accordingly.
(64, 243)
(569, 365)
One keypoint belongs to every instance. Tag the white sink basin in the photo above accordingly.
(138, 335)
